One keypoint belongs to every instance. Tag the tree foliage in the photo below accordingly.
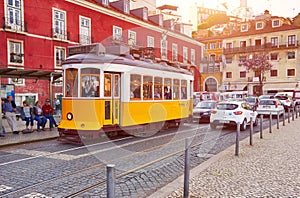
(258, 63)
(214, 19)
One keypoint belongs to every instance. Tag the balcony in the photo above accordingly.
(60, 34)
(84, 39)
(14, 25)
(261, 48)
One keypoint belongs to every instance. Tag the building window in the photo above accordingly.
(256, 73)
(220, 45)
(244, 27)
(150, 41)
(259, 25)
(276, 23)
(274, 41)
(258, 42)
(85, 30)
(59, 24)
(131, 38)
(229, 60)
(193, 57)
(242, 58)
(274, 56)
(212, 57)
(290, 72)
(14, 20)
(291, 55)
(228, 45)
(17, 81)
(273, 73)
(243, 44)
(174, 52)
(164, 49)
(126, 7)
(185, 55)
(206, 46)
(60, 56)
(243, 74)
(117, 33)
(228, 74)
(291, 40)
(15, 52)
(212, 45)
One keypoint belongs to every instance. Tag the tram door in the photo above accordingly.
(112, 98)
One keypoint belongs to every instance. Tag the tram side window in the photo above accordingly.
(147, 87)
(176, 85)
(183, 89)
(90, 82)
(135, 87)
(107, 85)
(71, 83)
(116, 85)
(158, 88)
(167, 89)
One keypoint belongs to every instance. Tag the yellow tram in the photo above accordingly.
(104, 92)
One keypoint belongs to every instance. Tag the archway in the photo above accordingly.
(211, 85)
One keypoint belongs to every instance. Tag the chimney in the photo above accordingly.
(169, 24)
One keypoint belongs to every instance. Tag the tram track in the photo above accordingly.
(103, 182)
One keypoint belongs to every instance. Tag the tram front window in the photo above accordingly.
(90, 82)
(71, 83)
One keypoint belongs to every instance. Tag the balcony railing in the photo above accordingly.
(263, 47)
(84, 39)
(60, 34)
(14, 25)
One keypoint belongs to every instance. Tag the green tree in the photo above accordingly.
(258, 63)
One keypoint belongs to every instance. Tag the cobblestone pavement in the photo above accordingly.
(45, 175)
(269, 168)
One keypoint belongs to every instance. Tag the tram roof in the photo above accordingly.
(128, 60)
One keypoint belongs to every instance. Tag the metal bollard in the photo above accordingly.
(293, 114)
(111, 178)
(251, 131)
(296, 112)
(270, 123)
(277, 120)
(283, 122)
(289, 114)
(186, 169)
(261, 126)
(237, 139)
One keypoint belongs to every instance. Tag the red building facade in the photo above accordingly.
(35, 34)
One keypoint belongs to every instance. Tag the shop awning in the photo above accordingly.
(31, 74)
(280, 86)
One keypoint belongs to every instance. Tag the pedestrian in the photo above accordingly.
(57, 107)
(48, 112)
(9, 110)
(26, 115)
(38, 116)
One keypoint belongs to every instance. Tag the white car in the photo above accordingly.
(232, 113)
(267, 106)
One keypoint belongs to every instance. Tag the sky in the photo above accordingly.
(284, 8)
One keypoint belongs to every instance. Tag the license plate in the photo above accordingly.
(266, 106)
(224, 121)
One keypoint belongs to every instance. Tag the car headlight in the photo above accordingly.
(69, 116)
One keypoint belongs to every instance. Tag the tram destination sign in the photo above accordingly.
(96, 48)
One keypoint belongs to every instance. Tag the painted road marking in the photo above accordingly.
(35, 195)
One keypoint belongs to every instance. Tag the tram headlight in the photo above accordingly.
(69, 116)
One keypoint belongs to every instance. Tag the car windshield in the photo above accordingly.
(252, 100)
(205, 105)
(282, 97)
(226, 106)
(267, 102)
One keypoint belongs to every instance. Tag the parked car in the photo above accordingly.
(267, 106)
(202, 111)
(268, 96)
(286, 100)
(253, 100)
(231, 113)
